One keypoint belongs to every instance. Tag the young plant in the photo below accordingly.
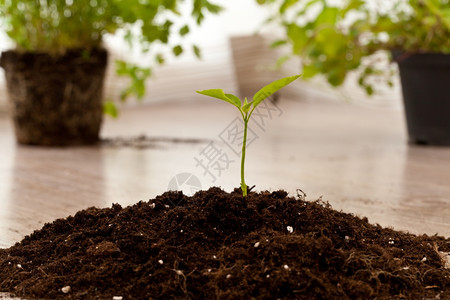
(246, 109)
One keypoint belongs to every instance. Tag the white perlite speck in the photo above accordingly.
(445, 259)
(153, 205)
(290, 229)
(286, 267)
(257, 244)
(66, 289)
(117, 297)
(160, 261)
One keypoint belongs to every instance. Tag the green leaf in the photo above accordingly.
(286, 4)
(197, 51)
(160, 59)
(184, 30)
(336, 76)
(328, 16)
(110, 108)
(281, 60)
(309, 71)
(129, 38)
(432, 7)
(124, 94)
(369, 90)
(122, 68)
(278, 43)
(177, 50)
(328, 34)
(139, 88)
(234, 99)
(219, 94)
(272, 88)
(213, 8)
(138, 76)
(246, 106)
(298, 37)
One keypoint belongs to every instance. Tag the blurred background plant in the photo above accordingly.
(56, 26)
(333, 39)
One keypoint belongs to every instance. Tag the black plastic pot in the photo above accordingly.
(56, 100)
(425, 82)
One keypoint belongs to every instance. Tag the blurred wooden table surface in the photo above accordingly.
(356, 158)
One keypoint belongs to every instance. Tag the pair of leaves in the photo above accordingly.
(246, 110)
(260, 96)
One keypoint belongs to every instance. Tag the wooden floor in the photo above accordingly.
(356, 158)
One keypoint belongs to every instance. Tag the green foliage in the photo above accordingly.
(177, 50)
(55, 26)
(197, 51)
(138, 77)
(334, 40)
(246, 109)
(110, 109)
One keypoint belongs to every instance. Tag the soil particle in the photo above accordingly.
(104, 249)
(217, 245)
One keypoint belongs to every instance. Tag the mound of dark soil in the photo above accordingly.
(216, 245)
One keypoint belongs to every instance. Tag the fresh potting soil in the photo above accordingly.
(217, 245)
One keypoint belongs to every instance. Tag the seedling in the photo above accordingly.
(246, 109)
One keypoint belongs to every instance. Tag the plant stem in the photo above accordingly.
(243, 185)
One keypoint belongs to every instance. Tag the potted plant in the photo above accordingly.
(335, 40)
(55, 73)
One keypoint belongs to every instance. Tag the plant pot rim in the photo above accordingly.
(68, 50)
(24, 53)
(402, 56)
